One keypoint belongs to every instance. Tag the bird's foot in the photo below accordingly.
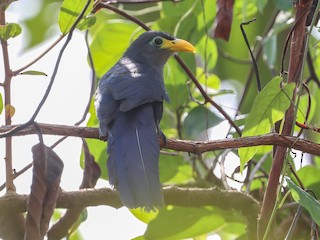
(104, 138)
(163, 138)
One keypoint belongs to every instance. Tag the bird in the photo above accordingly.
(129, 106)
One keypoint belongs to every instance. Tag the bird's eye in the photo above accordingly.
(158, 41)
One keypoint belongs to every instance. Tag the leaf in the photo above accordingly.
(182, 223)
(261, 4)
(305, 200)
(270, 49)
(144, 216)
(39, 26)
(209, 80)
(9, 30)
(175, 81)
(87, 22)
(47, 170)
(198, 120)
(174, 170)
(91, 172)
(309, 175)
(32, 72)
(10, 110)
(268, 107)
(69, 12)
(98, 150)
(283, 4)
(223, 20)
(207, 47)
(1, 103)
(108, 44)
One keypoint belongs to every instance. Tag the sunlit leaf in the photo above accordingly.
(305, 200)
(182, 223)
(69, 12)
(309, 176)
(32, 72)
(87, 22)
(9, 30)
(268, 107)
(302, 110)
(144, 216)
(109, 43)
(174, 170)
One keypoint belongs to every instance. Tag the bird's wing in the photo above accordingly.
(136, 84)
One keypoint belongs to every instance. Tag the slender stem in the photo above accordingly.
(18, 71)
(7, 102)
(297, 50)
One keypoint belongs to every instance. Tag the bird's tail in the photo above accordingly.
(133, 159)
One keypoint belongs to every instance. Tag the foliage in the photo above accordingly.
(221, 69)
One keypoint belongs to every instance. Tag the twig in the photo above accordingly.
(254, 62)
(18, 71)
(7, 103)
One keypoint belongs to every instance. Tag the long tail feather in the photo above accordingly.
(133, 159)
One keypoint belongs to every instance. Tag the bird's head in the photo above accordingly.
(155, 47)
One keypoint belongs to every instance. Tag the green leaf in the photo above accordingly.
(284, 5)
(69, 12)
(210, 81)
(270, 49)
(1, 103)
(9, 30)
(198, 120)
(86, 22)
(109, 43)
(207, 47)
(305, 200)
(182, 223)
(261, 4)
(302, 110)
(175, 81)
(32, 72)
(309, 175)
(174, 170)
(39, 26)
(144, 216)
(268, 107)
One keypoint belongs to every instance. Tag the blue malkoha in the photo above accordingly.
(129, 105)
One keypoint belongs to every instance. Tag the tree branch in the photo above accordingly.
(196, 147)
(185, 197)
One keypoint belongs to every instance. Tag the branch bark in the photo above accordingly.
(185, 197)
(196, 147)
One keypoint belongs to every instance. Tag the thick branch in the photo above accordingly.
(186, 197)
(196, 147)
